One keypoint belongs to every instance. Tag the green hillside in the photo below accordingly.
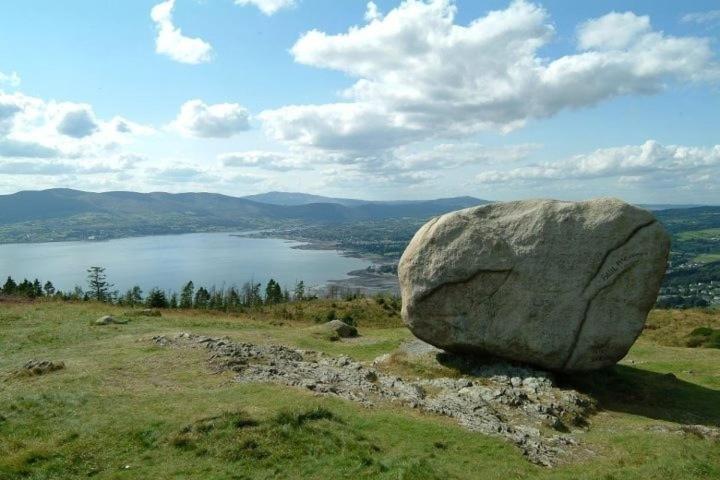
(123, 407)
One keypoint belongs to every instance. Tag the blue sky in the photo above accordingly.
(390, 99)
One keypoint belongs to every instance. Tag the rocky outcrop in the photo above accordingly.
(562, 285)
(517, 404)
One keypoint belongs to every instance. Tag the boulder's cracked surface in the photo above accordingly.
(521, 405)
(562, 285)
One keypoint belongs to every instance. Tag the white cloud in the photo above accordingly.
(651, 162)
(31, 127)
(170, 40)
(453, 155)
(372, 12)
(221, 120)
(268, 7)
(76, 120)
(11, 79)
(709, 17)
(614, 31)
(263, 160)
(420, 75)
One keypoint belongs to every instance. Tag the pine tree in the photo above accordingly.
(157, 299)
(173, 300)
(98, 284)
(49, 289)
(299, 293)
(10, 287)
(273, 292)
(37, 290)
(186, 295)
(202, 297)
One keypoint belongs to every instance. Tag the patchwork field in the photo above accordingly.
(123, 407)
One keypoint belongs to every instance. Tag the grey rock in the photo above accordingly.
(40, 367)
(562, 285)
(108, 320)
(340, 328)
(494, 406)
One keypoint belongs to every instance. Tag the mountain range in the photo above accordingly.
(65, 214)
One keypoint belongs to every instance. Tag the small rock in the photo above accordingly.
(108, 320)
(340, 328)
(40, 367)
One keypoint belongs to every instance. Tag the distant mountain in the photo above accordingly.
(295, 198)
(64, 214)
(666, 206)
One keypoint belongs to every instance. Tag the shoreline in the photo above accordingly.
(364, 280)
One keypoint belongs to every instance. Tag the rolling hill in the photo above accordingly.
(65, 214)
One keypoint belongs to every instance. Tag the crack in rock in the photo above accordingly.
(517, 404)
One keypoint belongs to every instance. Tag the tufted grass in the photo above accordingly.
(125, 409)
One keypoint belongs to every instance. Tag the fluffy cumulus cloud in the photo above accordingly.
(170, 40)
(10, 79)
(60, 139)
(76, 120)
(421, 75)
(263, 160)
(222, 120)
(268, 7)
(651, 163)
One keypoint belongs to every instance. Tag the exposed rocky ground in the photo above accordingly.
(38, 367)
(521, 405)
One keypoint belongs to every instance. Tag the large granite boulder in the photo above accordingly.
(562, 285)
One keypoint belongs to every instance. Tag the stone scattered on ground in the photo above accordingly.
(39, 367)
(339, 329)
(109, 320)
(701, 431)
(563, 285)
(520, 405)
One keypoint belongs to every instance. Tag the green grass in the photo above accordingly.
(706, 234)
(707, 258)
(125, 409)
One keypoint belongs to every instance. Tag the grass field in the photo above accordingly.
(707, 258)
(123, 408)
(707, 234)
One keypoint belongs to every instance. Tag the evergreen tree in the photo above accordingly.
(202, 298)
(299, 293)
(251, 294)
(186, 295)
(37, 290)
(77, 294)
(98, 284)
(232, 299)
(133, 296)
(10, 287)
(273, 292)
(25, 288)
(174, 300)
(49, 289)
(216, 299)
(157, 299)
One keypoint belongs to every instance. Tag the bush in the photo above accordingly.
(348, 319)
(704, 337)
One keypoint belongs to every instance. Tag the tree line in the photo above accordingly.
(250, 294)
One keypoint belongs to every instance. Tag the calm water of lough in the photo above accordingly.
(168, 261)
